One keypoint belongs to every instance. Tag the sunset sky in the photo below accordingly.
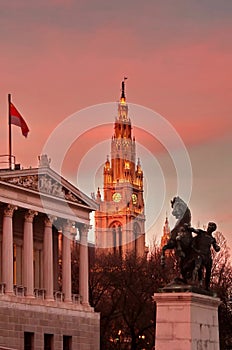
(61, 56)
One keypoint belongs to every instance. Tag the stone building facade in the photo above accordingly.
(40, 213)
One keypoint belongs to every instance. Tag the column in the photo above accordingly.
(66, 262)
(55, 260)
(84, 264)
(48, 257)
(7, 248)
(28, 268)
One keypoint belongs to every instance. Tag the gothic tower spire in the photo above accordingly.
(122, 105)
(120, 220)
(166, 233)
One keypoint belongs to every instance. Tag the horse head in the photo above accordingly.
(180, 209)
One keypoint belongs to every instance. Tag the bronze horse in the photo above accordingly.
(181, 238)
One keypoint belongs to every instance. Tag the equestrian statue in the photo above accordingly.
(194, 253)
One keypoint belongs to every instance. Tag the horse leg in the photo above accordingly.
(179, 250)
(200, 276)
(163, 257)
(183, 270)
(187, 266)
(197, 269)
(169, 245)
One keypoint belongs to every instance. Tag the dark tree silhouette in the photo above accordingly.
(221, 283)
(122, 290)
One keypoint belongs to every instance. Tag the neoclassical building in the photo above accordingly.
(120, 220)
(40, 213)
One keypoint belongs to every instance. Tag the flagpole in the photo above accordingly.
(10, 140)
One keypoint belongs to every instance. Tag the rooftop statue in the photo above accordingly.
(44, 161)
(194, 253)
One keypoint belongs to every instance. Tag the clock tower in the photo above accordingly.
(120, 220)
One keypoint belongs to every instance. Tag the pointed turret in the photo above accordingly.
(139, 174)
(98, 196)
(107, 163)
(166, 233)
(107, 179)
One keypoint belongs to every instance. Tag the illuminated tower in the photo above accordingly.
(166, 233)
(119, 222)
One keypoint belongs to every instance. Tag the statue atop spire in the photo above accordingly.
(123, 95)
(166, 232)
(122, 105)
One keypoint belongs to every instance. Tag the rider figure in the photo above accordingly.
(202, 246)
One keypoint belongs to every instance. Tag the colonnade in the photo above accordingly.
(28, 249)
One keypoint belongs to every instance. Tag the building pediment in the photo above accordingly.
(46, 182)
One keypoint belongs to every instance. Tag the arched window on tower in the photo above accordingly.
(116, 228)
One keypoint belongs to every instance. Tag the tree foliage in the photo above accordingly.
(221, 283)
(122, 290)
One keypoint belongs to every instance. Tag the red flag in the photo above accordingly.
(17, 119)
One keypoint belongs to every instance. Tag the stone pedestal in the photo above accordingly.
(186, 321)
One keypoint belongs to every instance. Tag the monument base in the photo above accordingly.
(186, 321)
(178, 286)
